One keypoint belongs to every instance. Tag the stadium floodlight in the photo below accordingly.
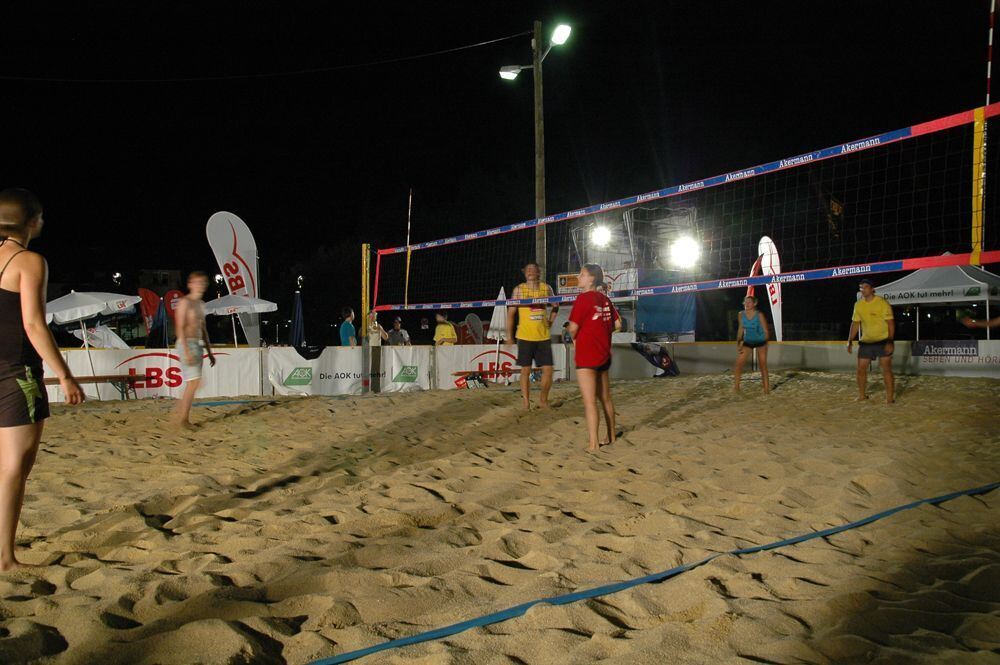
(684, 252)
(509, 72)
(600, 236)
(561, 34)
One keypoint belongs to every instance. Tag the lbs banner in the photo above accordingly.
(236, 251)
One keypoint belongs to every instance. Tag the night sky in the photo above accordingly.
(643, 95)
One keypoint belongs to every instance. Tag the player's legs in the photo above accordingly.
(588, 380)
(863, 364)
(885, 362)
(741, 359)
(604, 394)
(18, 447)
(762, 361)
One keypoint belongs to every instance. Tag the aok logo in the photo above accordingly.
(300, 376)
(486, 364)
(408, 374)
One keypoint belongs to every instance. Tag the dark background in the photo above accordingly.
(645, 94)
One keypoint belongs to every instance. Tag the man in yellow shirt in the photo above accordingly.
(444, 332)
(534, 343)
(873, 315)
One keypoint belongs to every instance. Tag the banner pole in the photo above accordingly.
(365, 251)
(409, 217)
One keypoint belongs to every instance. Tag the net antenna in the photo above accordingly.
(409, 252)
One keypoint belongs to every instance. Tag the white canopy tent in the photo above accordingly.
(944, 286)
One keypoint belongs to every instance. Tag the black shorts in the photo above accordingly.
(602, 368)
(23, 399)
(539, 352)
(754, 345)
(873, 350)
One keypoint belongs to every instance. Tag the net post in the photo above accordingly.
(978, 184)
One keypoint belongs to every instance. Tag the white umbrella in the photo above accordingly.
(234, 304)
(76, 306)
(498, 327)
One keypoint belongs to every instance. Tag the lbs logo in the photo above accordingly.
(486, 364)
(154, 376)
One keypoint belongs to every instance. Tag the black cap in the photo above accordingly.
(867, 281)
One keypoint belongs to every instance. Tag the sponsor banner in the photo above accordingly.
(940, 295)
(236, 252)
(455, 362)
(963, 357)
(236, 372)
(337, 371)
(667, 289)
(407, 368)
(771, 265)
(965, 348)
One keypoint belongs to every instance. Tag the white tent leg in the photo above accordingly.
(987, 317)
(918, 322)
(93, 372)
(233, 317)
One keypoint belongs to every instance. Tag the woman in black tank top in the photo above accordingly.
(25, 340)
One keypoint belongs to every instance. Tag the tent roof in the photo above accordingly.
(953, 284)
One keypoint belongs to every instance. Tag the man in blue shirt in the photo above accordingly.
(347, 335)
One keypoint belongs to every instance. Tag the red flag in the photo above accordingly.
(171, 299)
(148, 305)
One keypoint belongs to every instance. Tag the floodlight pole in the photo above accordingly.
(536, 69)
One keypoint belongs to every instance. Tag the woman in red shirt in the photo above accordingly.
(591, 323)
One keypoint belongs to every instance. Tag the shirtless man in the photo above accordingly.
(192, 344)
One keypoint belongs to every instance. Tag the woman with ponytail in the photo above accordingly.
(591, 323)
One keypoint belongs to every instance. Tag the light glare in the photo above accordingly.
(684, 252)
(561, 34)
(509, 73)
(600, 236)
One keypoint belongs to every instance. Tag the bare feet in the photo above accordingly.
(861, 398)
(15, 565)
(593, 449)
(544, 405)
(184, 424)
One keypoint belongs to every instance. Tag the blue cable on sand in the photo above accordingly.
(519, 610)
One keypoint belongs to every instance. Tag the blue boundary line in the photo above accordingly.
(235, 401)
(519, 610)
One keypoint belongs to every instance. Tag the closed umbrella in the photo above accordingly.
(158, 330)
(498, 327)
(298, 335)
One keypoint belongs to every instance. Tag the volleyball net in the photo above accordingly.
(917, 197)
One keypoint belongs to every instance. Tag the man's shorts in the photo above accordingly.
(539, 352)
(872, 350)
(191, 372)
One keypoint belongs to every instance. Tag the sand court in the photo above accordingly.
(290, 530)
